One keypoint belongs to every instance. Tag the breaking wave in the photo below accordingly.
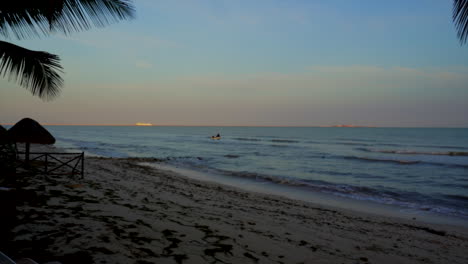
(453, 204)
(411, 152)
(284, 141)
(407, 162)
(247, 139)
(403, 162)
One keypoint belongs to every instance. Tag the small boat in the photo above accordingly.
(216, 137)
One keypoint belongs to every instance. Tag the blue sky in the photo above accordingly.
(377, 63)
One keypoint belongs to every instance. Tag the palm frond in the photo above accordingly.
(37, 71)
(25, 18)
(460, 17)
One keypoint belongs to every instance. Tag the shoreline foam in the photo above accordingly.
(338, 201)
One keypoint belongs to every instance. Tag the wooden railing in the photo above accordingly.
(54, 163)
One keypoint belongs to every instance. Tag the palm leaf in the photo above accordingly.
(25, 18)
(37, 71)
(460, 17)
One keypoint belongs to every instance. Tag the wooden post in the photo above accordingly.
(26, 158)
(82, 165)
(46, 163)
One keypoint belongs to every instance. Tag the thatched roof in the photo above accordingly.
(29, 131)
(4, 137)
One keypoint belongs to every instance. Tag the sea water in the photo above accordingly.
(421, 169)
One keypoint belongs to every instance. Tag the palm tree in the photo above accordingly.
(40, 71)
(460, 17)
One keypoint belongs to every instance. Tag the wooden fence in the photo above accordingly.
(51, 163)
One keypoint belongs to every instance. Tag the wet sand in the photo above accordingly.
(123, 212)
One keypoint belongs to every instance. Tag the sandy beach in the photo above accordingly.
(124, 212)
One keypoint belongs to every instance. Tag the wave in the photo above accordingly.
(316, 185)
(437, 203)
(272, 140)
(353, 144)
(357, 139)
(411, 152)
(442, 147)
(248, 139)
(391, 144)
(406, 162)
(184, 158)
(403, 162)
(421, 146)
(263, 177)
(463, 198)
(316, 142)
(452, 205)
(96, 148)
(338, 173)
(380, 143)
(279, 146)
(284, 141)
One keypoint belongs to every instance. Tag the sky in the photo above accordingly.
(258, 63)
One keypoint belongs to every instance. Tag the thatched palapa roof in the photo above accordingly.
(28, 130)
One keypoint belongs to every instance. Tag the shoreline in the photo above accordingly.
(338, 201)
(123, 212)
(317, 198)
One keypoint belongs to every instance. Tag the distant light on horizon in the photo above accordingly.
(143, 124)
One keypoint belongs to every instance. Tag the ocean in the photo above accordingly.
(419, 169)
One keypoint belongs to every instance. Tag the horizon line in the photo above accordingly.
(204, 125)
(179, 125)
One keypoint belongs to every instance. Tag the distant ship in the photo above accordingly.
(143, 124)
(344, 126)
